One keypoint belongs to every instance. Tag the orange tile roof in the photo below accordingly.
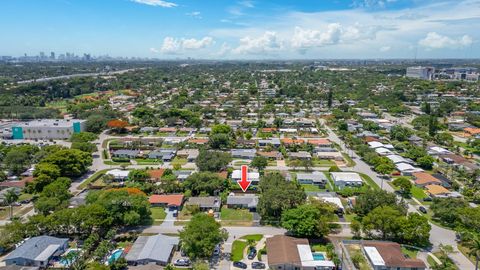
(423, 178)
(472, 131)
(170, 199)
(156, 174)
(198, 141)
(370, 139)
(292, 141)
(269, 129)
(436, 190)
(322, 141)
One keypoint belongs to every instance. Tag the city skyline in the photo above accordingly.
(288, 29)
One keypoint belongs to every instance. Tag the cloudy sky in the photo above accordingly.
(243, 29)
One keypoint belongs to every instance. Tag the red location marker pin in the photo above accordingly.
(244, 183)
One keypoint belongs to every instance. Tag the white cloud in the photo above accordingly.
(304, 38)
(194, 14)
(334, 33)
(267, 43)
(247, 3)
(158, 3)
(153, 50)
(170, 46)
(433, 40)
(385, 48)
(173, 45)
(372, 3)
(195, 44)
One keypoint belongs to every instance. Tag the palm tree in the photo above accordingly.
(10, 197)
(473, 244)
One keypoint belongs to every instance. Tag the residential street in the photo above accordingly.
(438, 235)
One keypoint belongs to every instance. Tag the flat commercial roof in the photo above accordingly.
(50, 123)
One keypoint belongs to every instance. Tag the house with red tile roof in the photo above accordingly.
(172, 201)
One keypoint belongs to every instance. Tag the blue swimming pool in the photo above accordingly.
(115, 256)
(318, 256)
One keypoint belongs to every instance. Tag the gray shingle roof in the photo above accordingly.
(249, 200)
(155, 248)
(38, 248)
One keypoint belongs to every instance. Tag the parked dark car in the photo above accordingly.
(258, 265)
(252, 252)
(427, 199)
(240, 265)
(422, 209)
(182, 262)
(217, 250)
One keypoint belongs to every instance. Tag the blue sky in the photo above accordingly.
(244, 29)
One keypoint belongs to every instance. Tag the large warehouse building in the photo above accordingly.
(47, 129)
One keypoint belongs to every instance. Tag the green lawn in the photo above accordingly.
(254, 237)
(319, 247)
(237, 217)
(109, 162)
(240, 162)
(369, 181)
(148, 161)
(349, 160)
(410, 252)
(322, 163)
(418, 193)
(92, 178)
(179, 161)
(25, 196)
(238, 247)
(158, 215)
(311, 188)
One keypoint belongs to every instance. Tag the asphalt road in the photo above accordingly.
(438, 235)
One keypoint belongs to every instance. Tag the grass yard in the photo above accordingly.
(148, 161)
(238, 248)
(254, 237)
(465, 250)
(109, 162)
(418, 193)
(349, 160)
(369, 181)
(179, 161)
(240, 163)
(357, 257)
(311, 188)
(319, 247)
(239, 217)
(322, 163)
(92, 178)
(410, 252)
(158, 215)
(25, 196)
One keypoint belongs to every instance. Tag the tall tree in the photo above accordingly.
(200, 236)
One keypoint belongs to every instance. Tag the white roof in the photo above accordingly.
(375, 144)
(374, 256)
(306, 257)
(118, 173)
(396, 159)
(334, 200)
(406, 167)
(346, 176)
(439, 150)
(288, 130)
(237, 174)
(382, 150)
